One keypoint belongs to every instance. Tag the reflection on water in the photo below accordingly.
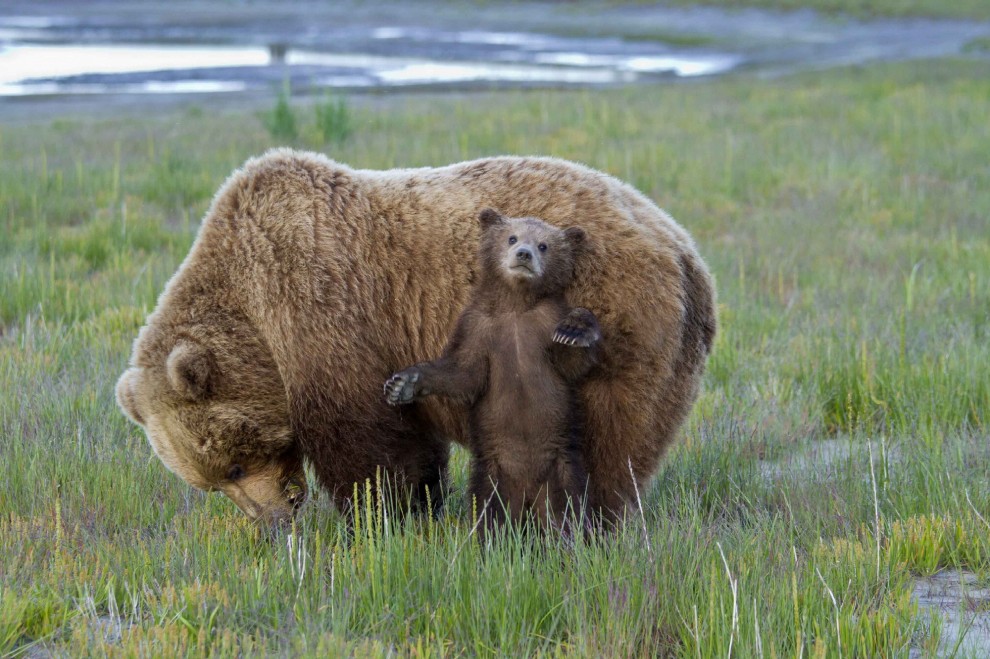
(427, 72)
(46, 64)
(382, 71)
(31, 64)
(698, 65)
(173, 87)
(517, 39)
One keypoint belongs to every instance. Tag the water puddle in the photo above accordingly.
(964, 607)
(822, 460)
(69, 47)
(63, 68)
(35, 59)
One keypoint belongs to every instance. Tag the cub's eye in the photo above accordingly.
(512, 240)
(235, 473)
(543, 247)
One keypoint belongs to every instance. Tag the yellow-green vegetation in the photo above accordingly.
(846, 216)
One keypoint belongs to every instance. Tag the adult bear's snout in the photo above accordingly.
(295, 493)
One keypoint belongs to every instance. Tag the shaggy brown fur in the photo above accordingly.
(311, 282)
(516, 358)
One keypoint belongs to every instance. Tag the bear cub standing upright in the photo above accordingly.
(516, 358)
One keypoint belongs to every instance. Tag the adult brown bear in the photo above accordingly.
(310, 283)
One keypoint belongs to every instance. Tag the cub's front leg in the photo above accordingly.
(405, 387)
(579, 328)
(447, 377)
(460, 374)
(576, 344)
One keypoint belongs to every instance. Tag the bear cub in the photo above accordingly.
(516, 358)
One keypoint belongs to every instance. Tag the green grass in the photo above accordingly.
(845, 216)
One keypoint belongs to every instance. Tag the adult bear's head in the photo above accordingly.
(210, 399)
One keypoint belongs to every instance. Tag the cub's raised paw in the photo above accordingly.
(579, 329)
(400, 389)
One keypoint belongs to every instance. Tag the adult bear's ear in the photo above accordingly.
(489, 218)
(575, 235)
(191, 370)
(127, 396)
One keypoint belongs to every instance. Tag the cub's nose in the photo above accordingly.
(524, 254)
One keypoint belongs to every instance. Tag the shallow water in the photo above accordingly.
(47, 68)
(959, 599)
(33, 61)
(65, 47)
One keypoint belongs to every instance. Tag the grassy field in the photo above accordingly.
(839, 450)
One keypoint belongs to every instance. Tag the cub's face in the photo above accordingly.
(218, 423)
(528, 252)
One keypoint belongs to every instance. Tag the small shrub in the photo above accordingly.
(333, 119)
(281, 122)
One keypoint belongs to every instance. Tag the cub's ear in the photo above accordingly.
(575, 235)
(191, 370)
(489, 218)
(127, 396)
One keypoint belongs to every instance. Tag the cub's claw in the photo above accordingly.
(579, 329)
(400, 389)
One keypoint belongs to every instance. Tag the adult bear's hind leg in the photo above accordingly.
(628, 428)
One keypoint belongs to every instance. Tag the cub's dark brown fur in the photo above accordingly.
(516, 358)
